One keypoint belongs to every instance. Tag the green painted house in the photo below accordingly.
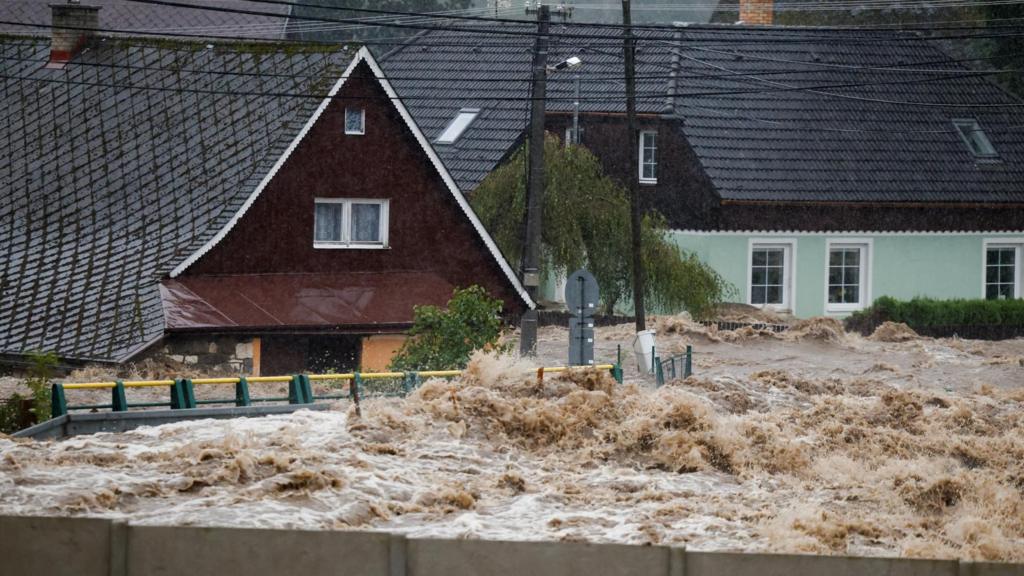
(815, 168)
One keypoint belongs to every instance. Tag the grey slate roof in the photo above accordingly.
(106, 188)
(746, 101)
(125, 15)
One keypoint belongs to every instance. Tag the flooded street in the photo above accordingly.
(812, 441)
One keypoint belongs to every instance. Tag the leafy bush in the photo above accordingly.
(444, 339)
(40, 372)
(927, 312)
(15, 412)
(586, 223)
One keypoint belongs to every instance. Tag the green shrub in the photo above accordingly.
(444, 339)
(13, 413)
(40, 372)
(927, 312)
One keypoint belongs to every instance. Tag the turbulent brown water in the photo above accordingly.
(769, 461)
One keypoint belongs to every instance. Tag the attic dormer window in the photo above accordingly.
(458, 125)
(355, 121)
(975, 138)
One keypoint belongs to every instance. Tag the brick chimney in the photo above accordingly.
(73, 26)
(756, 12)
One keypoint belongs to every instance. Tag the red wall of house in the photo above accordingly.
(427, 229)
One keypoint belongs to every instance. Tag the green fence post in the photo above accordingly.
(188, 392)
(659, 374)
(307, 388)
(58, 404)
(688, 370)
(118, 401)
(296, 393)
(617, 372)
(407, 383)
(177, 401)
(177, 395)
(242, 392)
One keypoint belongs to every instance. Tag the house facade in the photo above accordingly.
(815, 169)
(239, 207)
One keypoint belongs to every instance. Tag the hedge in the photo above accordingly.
(925, 312)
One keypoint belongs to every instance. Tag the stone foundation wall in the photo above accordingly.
(232, 354)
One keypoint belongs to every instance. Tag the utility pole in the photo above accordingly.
(535, 183)
(639, 275)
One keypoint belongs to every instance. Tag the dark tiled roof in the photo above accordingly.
(126, 15)
(746, 98)
(106, 188)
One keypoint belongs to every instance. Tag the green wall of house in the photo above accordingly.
(899, 265)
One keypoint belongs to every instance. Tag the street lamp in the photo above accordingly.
(535, 178)
(572, 63)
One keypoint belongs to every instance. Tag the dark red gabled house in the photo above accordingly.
(357, 222)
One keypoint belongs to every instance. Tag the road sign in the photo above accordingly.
(581, 295)
(581, 298)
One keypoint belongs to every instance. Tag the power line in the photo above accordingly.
(780, 87)
(499, 29)
(716, 6)
(588, 77)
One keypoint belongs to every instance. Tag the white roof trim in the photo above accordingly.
(364, 55)
(843, 233)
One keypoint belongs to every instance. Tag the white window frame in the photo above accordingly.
(362, 121)
(458, 125)
(788, 272)
(1018, 280)
(640, 167)
(866, 246)
(346, 224)
(968, 129)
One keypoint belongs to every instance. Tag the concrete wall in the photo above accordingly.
(92, 547)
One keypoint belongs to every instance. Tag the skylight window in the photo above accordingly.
(458, 125)
(975, 138)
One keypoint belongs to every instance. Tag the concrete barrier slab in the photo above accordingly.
(990, 569)
(54, 546)
(732, 564)
(428, 557)
(193, 551)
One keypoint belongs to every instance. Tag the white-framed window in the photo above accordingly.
(458, 125)
(847, 275)
(770, 273)
(1003, 273)
(355, 121)
(350, 223)
(975, 138)
(649, 157)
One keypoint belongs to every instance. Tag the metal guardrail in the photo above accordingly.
(668, 366)
(300, 388)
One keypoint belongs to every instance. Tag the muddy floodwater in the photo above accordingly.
(813, 441)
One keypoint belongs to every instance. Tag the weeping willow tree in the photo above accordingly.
(586, 223)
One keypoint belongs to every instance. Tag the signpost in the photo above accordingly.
(581, 297)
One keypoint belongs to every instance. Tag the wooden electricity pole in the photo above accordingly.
(639, 276)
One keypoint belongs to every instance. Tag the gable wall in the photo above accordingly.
(683, 193)
(428, 232)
